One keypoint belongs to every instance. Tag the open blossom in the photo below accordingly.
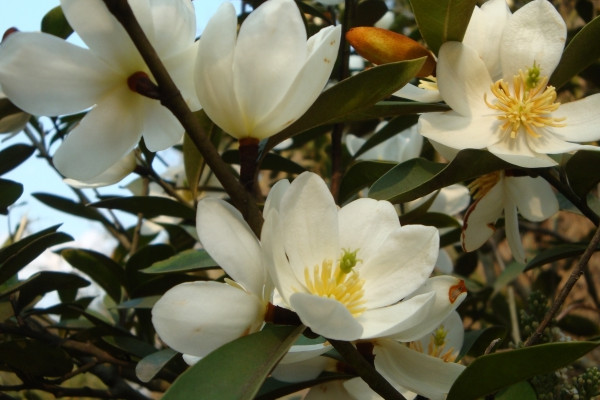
(499, 194)
(102, 77)
(516, 117)
(255, 83)
(352, 273)
(196, 318)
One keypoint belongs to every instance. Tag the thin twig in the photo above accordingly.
(564, 292)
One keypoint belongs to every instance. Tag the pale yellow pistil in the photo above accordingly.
(529, 105)
(435, 347)
(429, 83)
(341, 283)
(482, 185)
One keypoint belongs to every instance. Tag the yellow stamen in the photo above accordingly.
(429, 83)
(435, 347)
(528, 106)
(482, 185)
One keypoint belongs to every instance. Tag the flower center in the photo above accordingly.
(435, 347)
(528, 106)
(429, 83)
(341, 282)
(482, 185)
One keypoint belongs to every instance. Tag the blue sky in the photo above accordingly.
(35, 173)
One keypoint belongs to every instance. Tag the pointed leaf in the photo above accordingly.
(55, 23)
(360, 175)
(442, 20)
(10, 192)
(274, 389)
(387, 109)
(521, 391)
(582, 178)
(237, 370)
(417, 177)
(272, 161)
(514, 366)
(11, 157)
(149, 206)
(149, 366)
(35, 358)
(186, 261)
(580, 53)
(558, 252)
(69, 206)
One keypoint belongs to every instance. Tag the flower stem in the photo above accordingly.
(171, 98)
(248, 163)
(366, 371)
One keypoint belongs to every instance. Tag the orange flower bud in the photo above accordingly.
(381, 46)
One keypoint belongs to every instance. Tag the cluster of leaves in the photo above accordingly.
(114, 347)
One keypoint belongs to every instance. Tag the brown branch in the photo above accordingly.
(171, 98)
(564, 292)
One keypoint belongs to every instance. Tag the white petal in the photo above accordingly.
(270, 50)
(425, 375)
(359, 390)
(310, 223)
(170, 38)
(45, 75)
(449, 294)
(485, 31)
(481, 217)
(457, 132)
(354, 143)
(112, 175)
(415, 93)
(403, 262)
(214, 72)
(103, 34)
(581, 119)
(300, 371)
(298, 353)
(231, 243)
(518, 152)
(463, 78)
(551, 144)
(181, 67)
(103, 137)
(455, 334)
(334, 390)
(365, 224)
(326, 317)
(451, 200)
(198, 317)
(444, 262)
(275, 195)
(511, 227)
(534, 33)
(307, 85)
(534, 197)
(161, 129)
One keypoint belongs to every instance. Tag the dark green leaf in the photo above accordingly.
(387, 109)
(186, 261)
(417, 177)
(558, 252)
(35, 358)
(360, 175)
(392, 128)
(102, 269)
(130, 345)
(272, 161)
(149, 206)
(442, 20)
(55, 23)
(13, 156)
(519, 391)
(476, 342)
(578, 325)
(10, 192)
(149, 366)
(21, 253)
(44, 282)
(274, 389)
(69, 206)
(438, 220)
(582, 178)
(510, 367)
(350, 96)
(237, 370)
(7, 108)
(580, 53)
(139, 303)
(368, 12)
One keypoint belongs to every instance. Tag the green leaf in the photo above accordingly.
(237, 370)
(360, 175)
(102, 269)
(7, 108)
(359, 92)
(272, 161)
(69, 206)
(508, 275)
(186, 261)
(149, 366)
(417, 177)
(274, 389)
(35, 358)
(476, 342)
(149, 206)
(442, 20)
(558, 252)
(520, 391)
(392, 128)
(11, 157)
(10, 192)
(492, 372)
(21, 253)
(368, 12)
(139, 303)
(582, 178)
(578, 325)
(580, 53)
(388, 109)
(55, 23)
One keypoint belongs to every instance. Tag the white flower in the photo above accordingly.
(112, 175)
(517, 117)
(45, 75)
(256, 83)
(352, 273)
(399, 148)
(499, 193)
(198, 317)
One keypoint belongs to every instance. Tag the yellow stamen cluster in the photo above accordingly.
(429, 83)
(527, 106)
(435, 347)
(343, 285)
(482, 185)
